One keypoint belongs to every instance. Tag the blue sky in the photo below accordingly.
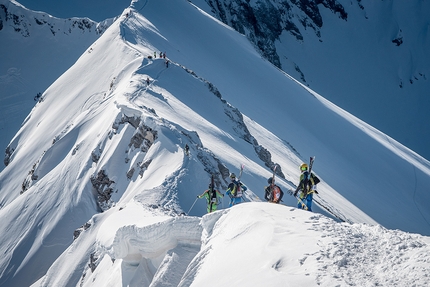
(96, 10)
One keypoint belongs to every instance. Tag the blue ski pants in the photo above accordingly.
(234, 201)
(307, 200)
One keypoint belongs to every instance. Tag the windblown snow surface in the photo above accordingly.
(36, 49)
(99, 192)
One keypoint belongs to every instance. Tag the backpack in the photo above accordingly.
(310, 182)
(235, 189)
(277, 194)
(212, 196)
(315, 179)
(269, 193)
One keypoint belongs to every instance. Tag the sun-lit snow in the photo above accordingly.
(39, 48)
(101, 130)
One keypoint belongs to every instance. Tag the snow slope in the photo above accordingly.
(368, 57)
(113, 143)
(39, 49)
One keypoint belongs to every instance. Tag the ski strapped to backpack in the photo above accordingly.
(275, 192)
(307, 176)
(242, 166)
(236, 187)
(306, 187)
(212, 194)
(239, 187)
(274, 174)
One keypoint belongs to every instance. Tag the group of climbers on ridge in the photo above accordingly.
(272, 193)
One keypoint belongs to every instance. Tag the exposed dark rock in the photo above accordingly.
(31, 176)
(93, 262)
(264, 21)
(102, 185)
(78, 231)
(143, 167)
(130, 173)
(8, 153)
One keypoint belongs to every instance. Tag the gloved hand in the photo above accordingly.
(295, 194)
(198, 196)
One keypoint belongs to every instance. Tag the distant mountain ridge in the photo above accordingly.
(39, 49)
(15, 16)
(369, 57)
(264, 21)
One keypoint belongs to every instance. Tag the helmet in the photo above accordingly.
(303, 167)
(232, 175)
(270, 180)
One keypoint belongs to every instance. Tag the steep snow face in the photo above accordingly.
(36, 49)
(263, 22)
(108, 135)
(368, 57)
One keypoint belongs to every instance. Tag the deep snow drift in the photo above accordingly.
(103, 139)
(251, 244)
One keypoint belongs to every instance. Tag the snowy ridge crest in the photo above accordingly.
(121, 117)
(23, 21)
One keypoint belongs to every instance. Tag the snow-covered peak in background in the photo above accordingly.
(97, 10)
(97, 181)
(36, 49)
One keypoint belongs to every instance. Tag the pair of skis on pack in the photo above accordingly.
(311, 162)
(305, 183)
(212, 183)
(212, 190)
(242, 166)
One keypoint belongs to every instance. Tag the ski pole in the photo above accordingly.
(298, 198)
(192, 206)
(304, 206)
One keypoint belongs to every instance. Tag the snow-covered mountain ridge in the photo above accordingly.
(20, 21)
(104, 139)
(268, 245)
(39, 49)
(369, 57)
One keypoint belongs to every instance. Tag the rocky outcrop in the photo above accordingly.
(263, 21)
(102, 185)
